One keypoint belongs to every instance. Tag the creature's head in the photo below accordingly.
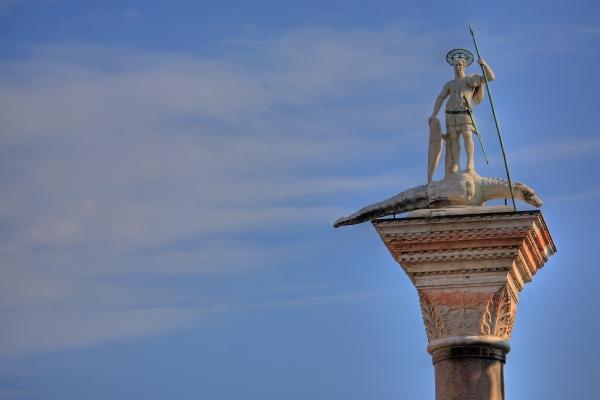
(527, 194)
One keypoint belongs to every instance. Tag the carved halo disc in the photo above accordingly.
(460, 53)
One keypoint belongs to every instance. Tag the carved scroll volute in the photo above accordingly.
(498, 315)
(434, 323)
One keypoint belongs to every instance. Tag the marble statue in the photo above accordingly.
(461, 92)
(458, 188)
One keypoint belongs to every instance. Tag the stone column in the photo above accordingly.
(468, 266)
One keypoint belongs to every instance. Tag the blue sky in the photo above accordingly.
(169, 174)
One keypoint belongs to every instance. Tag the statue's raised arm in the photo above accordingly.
(488, 71)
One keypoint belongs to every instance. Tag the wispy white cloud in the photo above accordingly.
(120, 163)
(15, 393)
(592, 30)
(556, 150)
(5, 4)
(35, 331)
(583, 196)
(133, 14)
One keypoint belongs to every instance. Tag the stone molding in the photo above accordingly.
(454, 341)
(470, 351)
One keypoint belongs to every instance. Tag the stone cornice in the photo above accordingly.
(520, 238)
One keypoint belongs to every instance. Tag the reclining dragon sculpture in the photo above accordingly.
(461, 189)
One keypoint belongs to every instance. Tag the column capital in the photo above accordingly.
(468, 266)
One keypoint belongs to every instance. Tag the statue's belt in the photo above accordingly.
(458, 112)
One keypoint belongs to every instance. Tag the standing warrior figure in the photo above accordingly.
(460, 91)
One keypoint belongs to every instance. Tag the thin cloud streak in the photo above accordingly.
(140, 165)
(583, 197)
(557, 150)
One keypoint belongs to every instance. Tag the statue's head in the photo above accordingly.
(459, 59)
(459, 65)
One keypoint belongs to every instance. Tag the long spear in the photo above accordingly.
(487, 87)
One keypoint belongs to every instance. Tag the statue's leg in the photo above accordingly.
(452, 149)
(455, 152)
(469, 149)
(448, 155)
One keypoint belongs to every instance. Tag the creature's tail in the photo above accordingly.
(408, 200)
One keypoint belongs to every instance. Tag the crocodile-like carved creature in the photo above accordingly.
(466, 188)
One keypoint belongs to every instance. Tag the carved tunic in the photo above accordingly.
(456, 90)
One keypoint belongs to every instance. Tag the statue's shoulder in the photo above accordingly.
(475, 79)
(448, 84)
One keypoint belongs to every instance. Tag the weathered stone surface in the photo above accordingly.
(464, 188)
(461, 93)
(468, 269)
(472, 378)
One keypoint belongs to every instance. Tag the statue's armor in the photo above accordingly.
(456, 117)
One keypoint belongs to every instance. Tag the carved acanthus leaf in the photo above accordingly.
(434, 323)
(498, 315)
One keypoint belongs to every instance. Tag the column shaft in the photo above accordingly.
(472, 372)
